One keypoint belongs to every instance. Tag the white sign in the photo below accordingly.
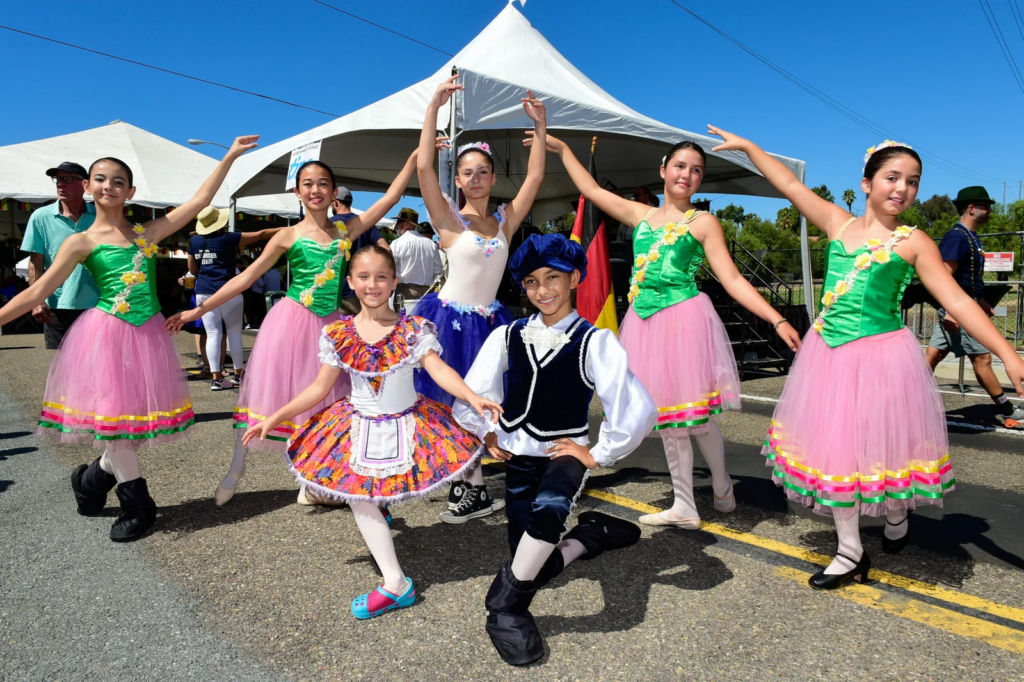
(999, 261)
(307, 152)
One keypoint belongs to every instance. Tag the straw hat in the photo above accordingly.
(211, 219)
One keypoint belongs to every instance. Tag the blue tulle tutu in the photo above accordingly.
(462, 333)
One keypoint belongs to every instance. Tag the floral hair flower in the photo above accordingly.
(881, 146)
(477, 146)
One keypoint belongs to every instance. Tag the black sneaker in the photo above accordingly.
(222, 385)
(475, 503)
(456, 492)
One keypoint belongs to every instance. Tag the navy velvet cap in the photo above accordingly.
(547, 251)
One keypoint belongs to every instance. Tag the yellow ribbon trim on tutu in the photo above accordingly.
(261, 418)
(700, 403)
(125, 417)
(921, 466)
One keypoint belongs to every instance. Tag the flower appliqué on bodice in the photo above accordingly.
(328, 273)
(136, 276)
(670, 234)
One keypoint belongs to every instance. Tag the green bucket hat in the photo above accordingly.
(976, 195)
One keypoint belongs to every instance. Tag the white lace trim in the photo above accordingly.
(328, 355)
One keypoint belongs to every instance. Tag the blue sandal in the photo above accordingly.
(380, 601)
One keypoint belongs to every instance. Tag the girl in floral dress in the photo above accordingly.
(465, 311)
(116, 380)
(860, 428)
(282, 363)
(676, 342)
(384, 444)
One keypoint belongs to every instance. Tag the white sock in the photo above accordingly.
(378, 538)
(474, 477)
(120, 460)
(712, 446)
(848, 529)
(679, 453)
(530, 557)
(899, 518)
(571, 550)
(237, 462)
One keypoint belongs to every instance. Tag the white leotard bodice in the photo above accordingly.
(475, 264)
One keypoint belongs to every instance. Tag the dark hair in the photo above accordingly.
(119, 162)
(375, 249)
(319, 164)
(680, 146)
(885, 155)
(458, 159)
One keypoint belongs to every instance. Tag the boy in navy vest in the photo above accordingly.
(555, 361)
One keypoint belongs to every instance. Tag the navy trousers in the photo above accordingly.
(539, 493)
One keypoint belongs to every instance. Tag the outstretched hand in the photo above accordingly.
(789, 335)
(730, 142)
(243, 144)
(481, 405)
(445, 90)
(552, 144)
(176, 321)
(534, 108)
(260, 430)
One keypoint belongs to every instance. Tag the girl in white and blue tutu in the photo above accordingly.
(476, 242)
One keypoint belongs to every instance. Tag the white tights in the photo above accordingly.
(679, 453)
(229, 315)
(119, 458)
(532, 554)
(848, 530)
(237, 462)
(377, 536)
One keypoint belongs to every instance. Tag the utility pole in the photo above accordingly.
(1004, 195)
(1020, 186)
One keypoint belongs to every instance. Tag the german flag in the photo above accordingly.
(595, 299)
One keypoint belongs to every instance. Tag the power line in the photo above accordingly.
(383, 28)
(997, 32)
(163, 70)
(1018, 19)
(834, 104)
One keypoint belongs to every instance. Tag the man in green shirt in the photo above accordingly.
(47, 229)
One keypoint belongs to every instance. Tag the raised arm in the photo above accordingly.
(824, 214)
(72, 252)
(161, 228)
(430, 188)
(361, 223)
(623, 210)
(259, 236)
(936, 278)
(277, 247)
(708, 232)
(519, 207)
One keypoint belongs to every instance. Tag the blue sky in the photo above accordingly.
(931, 72)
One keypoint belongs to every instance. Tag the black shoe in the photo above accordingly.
(138, 511)
(895, 546)
(510, 625)
(824, 581)
(91, 485)
(600, 532)
(475, 503)
(455, 493)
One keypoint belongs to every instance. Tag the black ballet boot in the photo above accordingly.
(599, 533)
(138, 511)
(91, 485)
(510, 625)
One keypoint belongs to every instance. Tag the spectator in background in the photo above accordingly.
(416, 256)
(254, 305)
(47, 229)
(964, 258)
(641, 195)
(342, 207)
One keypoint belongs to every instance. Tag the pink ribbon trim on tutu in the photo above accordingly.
(64, 412)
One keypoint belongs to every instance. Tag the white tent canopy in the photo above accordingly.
(367, 147)
(165, 173)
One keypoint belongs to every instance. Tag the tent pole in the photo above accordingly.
(288, 265)
(452, 189)
(231, 218)
(805, 260)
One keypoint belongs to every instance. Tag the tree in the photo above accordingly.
(849, 196)
(561, 224)
(937, 206)
(787, 218)
(732, 213)
(822, 191)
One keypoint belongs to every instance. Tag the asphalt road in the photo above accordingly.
(259, 589)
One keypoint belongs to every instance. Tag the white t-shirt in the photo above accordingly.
(417, 258)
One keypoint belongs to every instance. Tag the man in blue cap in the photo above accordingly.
(555, 361)
(47, 229)
(964, 258)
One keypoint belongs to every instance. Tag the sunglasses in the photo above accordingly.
(66, 179)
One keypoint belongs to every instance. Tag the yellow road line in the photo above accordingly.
(908, 584)
(927, 614)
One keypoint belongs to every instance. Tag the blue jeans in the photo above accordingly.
(539, 496)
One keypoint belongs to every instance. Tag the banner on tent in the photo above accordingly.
(307, 152)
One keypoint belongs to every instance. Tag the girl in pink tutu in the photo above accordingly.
(676, 342)
(283, 362)
(860, 427)
(384, 444)
(116, 380)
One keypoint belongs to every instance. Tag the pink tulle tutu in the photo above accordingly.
(683, 357)
(111, 380)
(861, 426)
(284, 361)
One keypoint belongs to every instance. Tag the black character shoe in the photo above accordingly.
(895, 546)
(510, 625)
(91, 485)
(455, 493)
(475, 503)
(600, 532)
(825, 581)
(138, 511)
